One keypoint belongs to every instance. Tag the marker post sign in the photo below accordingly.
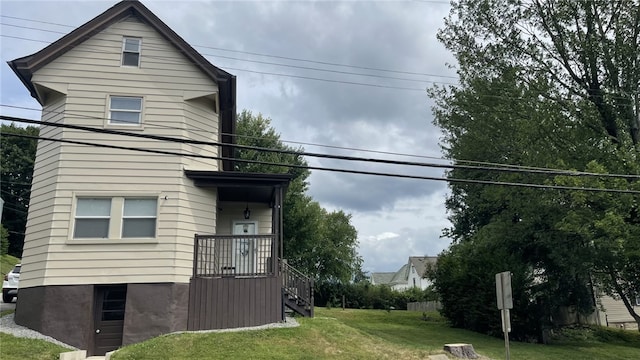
(505, 302)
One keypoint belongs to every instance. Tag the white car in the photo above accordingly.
(10, 284)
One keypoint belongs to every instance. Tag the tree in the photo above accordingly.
(545, 84)
(320, 243)
(17, 160)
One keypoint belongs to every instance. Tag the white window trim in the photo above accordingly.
(132, 126)
(139, 217)
(76, 217)
(139, 52)
(116, 216)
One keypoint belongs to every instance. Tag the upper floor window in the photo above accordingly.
(92, 218)
(131, 51)
(125, 110)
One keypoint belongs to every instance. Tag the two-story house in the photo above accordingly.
(410, 275)
(130, 236)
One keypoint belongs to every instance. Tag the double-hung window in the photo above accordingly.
(131, 51)
(125, 110)
(92, 218)
(139, 218)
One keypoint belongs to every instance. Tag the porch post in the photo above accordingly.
(195, 255)
(280, 221)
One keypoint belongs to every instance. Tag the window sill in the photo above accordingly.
(111, 241)
(124, 127)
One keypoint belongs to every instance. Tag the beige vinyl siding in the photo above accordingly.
(231, 211)
(89, 74)
(616, 312)
(201, 123)
(196, 214)
(42, 218)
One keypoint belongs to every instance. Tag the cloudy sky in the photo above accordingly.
(370, 63)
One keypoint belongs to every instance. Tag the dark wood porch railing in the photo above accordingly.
(234, 255)
(297, 290)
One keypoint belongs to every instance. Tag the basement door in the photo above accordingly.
(109, 308)
(244, 249)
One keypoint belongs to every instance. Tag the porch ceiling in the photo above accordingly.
(237, 186)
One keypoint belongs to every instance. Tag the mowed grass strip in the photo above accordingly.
(407, 329)
(349, 334)
(14, 348)
(318, 338)
(364, 334)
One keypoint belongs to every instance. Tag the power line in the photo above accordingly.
(317, 155)
(500, 167)
(273, 63)
(268, 55)
(404, 176)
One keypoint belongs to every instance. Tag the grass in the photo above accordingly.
(7, 262)
(351, 334)
(13, 348)
(370, 334)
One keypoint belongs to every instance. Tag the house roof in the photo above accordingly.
(25, 67)
(401, 276)
(237, 186)
(380, 278)
(420, 263)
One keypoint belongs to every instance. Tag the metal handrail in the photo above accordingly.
(297, 284)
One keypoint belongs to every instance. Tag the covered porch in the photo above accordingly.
(237, 277)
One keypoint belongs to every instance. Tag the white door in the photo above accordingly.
(244, 249)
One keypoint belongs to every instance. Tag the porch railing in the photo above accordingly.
(234, 255)
(297, 290)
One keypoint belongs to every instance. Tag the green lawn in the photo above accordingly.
(364, 334)
(13, 348)
(349, 334)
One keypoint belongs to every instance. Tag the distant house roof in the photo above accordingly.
(25, 66)
(382, 278)
(420, 263)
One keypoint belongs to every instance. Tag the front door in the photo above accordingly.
(244, 249)
(109, 318)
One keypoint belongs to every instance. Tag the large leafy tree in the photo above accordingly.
(546, 84)
(320, 243)
(17, 156)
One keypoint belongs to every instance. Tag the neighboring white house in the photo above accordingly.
(411, 274)
(111, 254)
(613, 313)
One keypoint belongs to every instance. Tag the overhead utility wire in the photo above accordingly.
(310, 154)
(172, 60)
(404, 176)
(457, 161)
(284, 65)
(272, 56)
(275, 64)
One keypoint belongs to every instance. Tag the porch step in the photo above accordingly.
(301, 309)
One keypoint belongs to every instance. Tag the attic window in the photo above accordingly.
(131, 51)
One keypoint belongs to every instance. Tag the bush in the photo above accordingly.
(363, 295)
